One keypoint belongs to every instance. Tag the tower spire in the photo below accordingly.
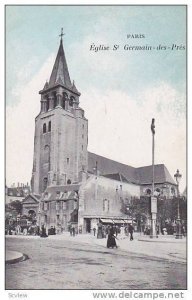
(62, 34)
(60, 70)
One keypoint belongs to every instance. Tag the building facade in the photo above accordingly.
(76, 186)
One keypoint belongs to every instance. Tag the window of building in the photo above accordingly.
(64, 205)
(65, 195)
(172, 190)
(46, 206)
(57, 205)
(67, 160)
(47, 156)
(105, 205)
(148, 192)
(49, 126)
(57, 195)
(83, 126)
(82, 136)
(44, 128)
(45, 183)
(71, 100)
(58, 220)
(68, 181)
(82, 147)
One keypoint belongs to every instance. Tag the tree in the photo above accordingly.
(16, 205)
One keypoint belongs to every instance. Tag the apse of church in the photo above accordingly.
(61, 130)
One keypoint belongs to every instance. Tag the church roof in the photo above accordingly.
(161, 174)
(121, 172)
(107, 166)
(60, 71)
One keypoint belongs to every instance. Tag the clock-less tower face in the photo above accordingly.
(61, 131)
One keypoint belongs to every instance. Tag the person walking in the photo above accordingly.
(131, 232)
(94, 230)
(111, 242)
(43, 232)
(73, 230)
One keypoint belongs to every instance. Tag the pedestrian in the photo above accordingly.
(70, 230)
(43, 232)
(131, 232)
(94, 231)
(116, 230)
(73, 230)
(111, 242)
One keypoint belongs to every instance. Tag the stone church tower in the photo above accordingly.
(61, 131)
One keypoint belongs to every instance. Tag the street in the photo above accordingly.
(56, 263)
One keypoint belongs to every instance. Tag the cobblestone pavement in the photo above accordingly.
(66, 263)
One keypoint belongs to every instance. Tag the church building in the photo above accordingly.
(76, 186)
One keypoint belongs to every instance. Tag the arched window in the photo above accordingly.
(65, 98)
(44, 128)
(172, 190)
(49, 126)
(45, 183)
(71, 101)
(68, 181)
(148, 192)
(46, 153)
(105, 205)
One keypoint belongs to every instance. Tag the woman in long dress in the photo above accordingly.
(111, 242)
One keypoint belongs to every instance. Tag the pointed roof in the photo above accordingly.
(46, 85)
(73, 88)
(60, 71)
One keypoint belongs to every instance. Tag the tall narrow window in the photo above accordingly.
(44, 183)
(47, 156)
(71, 101)
(105, 205)
(67, 160)
(44, 128)
(49, 126)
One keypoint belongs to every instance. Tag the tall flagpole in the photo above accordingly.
(153, 199)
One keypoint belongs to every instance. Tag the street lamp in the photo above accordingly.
(178, 178)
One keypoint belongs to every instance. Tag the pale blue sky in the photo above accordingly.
(32, 34)
(121, 91)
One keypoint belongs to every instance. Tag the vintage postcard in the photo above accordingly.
(96, 184)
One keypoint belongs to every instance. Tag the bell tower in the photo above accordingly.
(61, 131)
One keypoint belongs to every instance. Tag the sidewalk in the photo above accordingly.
(12, 257)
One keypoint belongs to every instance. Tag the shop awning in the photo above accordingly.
(116, 221)
(107, 221)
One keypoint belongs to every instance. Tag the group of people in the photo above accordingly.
(72, 230)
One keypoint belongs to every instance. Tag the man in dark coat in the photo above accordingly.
(43, 232)
(131, 232)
